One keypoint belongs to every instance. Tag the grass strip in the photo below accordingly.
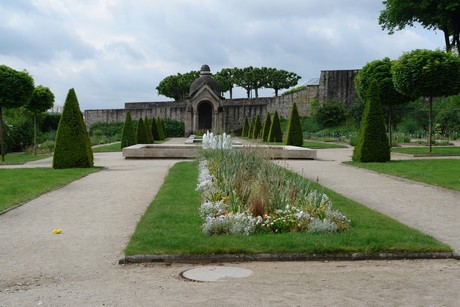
(20, 158)
(22, 184)
(321, 145)
(114, 147)
(306, 144)
(441, 172)
(452, 150)
(171, 225)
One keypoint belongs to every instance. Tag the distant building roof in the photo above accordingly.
(204, 78)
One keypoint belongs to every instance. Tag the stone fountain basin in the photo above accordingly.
(192, 151)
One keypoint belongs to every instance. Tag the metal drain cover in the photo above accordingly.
(213, 273)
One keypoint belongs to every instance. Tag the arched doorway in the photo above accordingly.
(205, 116)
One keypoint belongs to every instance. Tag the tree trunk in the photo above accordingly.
(256, 91)
(2, 139)
(430, 123)
(35, 133)
(390, 130)
(276, 92)
(231, 93)
(447, 40)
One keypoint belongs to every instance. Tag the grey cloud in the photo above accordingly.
(29, 33)
(141, 42)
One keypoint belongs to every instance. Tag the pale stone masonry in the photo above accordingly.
(208, 110)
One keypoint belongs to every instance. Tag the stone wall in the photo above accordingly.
(336, 85)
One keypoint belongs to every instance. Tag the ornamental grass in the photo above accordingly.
(244, 192)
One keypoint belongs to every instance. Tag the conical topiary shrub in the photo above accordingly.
(128, 136)
(266, 128)
(372, 143)
(275, 134)
(257, 127)
(251, 127)
(156, 136)
(161, 131)
(148, 130)
(294, 133)
(245, 130)
(72, 146)
(141, 135)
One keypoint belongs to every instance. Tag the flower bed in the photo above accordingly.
(244, 193)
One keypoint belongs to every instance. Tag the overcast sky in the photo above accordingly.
(116, 51)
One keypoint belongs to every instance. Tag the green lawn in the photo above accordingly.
(20, 158)
(108, 148)
(440, 172)
(171, 225)
(306, 144)
(437, 150)
(115, 147)
(22, 184)
(321, 145)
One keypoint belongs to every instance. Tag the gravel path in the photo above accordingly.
(98, 214)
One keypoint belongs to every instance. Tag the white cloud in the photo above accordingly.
(113, 51)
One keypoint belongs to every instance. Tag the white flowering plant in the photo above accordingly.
(211, 141)
(244, 193)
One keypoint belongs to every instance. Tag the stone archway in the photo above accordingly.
(205, 110)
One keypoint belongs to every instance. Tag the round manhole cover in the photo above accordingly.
(215, 273)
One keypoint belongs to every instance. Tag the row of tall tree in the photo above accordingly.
(249, 78)
(17, 89)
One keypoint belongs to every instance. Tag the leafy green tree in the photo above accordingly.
(244, 79)
(18, 129)
(448, 121)
(443, 15)
(72, 147)
(141, 135)
(266, 127)
(148, 130)
(331, 114)
(278, 79)
(16, 89)
(177, 86)
(259, 78)
(173, 128)
(372, 143)
(275, 134)
(226, 80)
(128, 136)
(42, 100)
(155, 134)
(380, 71)
(245, 131)
(294, 133)
(427, 73)
(257, 127)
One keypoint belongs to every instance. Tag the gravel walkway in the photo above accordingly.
(98, 214)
